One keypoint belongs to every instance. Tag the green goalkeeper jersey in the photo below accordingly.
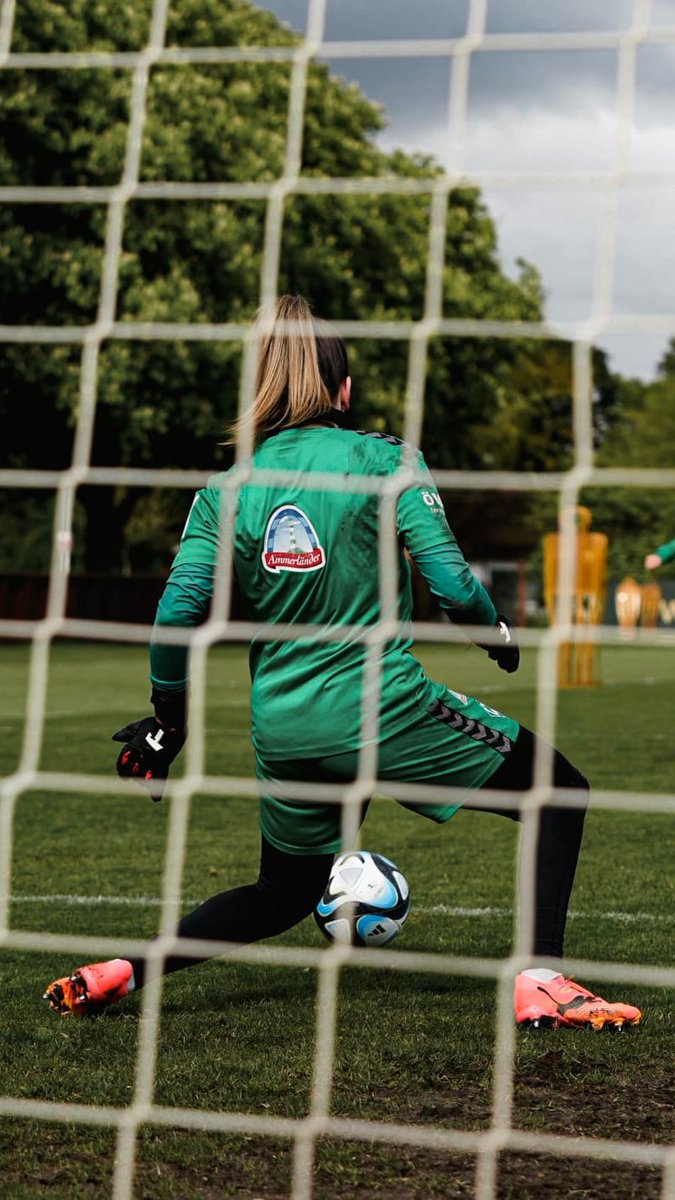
(306, 554)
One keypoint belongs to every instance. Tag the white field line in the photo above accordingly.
(441, 910)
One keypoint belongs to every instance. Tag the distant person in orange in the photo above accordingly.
(662, 554)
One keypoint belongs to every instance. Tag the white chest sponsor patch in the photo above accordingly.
(291, 542)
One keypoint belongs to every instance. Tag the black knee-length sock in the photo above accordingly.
(558, 842)
(287, 890)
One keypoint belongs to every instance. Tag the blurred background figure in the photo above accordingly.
(662, 554)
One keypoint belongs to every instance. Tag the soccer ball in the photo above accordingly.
(366, 901)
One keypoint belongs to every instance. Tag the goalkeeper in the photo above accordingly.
(309, 555)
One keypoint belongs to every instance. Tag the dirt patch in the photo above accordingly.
(557, 1094)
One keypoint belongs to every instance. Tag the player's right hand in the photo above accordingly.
(504, 650)
(149, 749)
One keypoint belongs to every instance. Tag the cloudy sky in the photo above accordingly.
(533, 113)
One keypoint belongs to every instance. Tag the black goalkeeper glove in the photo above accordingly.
(504, 651)
(152, 743)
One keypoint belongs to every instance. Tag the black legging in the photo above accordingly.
(287, 890)
(290, 885)
(558, 841)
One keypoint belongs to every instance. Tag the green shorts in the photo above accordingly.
(456, 742)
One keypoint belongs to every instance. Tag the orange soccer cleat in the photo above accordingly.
(557, 1002)
(90, 988)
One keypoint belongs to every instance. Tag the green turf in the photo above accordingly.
(411, 1048)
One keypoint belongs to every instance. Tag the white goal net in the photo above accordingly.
(487, 1144)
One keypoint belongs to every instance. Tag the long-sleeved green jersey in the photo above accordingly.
(307, 554)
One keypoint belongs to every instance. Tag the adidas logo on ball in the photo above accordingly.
(366, 901)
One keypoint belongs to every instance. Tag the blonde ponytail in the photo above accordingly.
(300, 367)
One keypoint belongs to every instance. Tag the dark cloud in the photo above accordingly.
(291, 12)
(566, 80)
(571, 80)
(414, 92)
(513, 85)
(348, 20)
(392, 19)
(531, 113)
(508, 88)
(538, 16)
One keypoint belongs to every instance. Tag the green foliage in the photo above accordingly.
(359, 257)
(76, 25)
(638, 519)
(644, 434)
(636, 428)
(489, 403)
(26, 532)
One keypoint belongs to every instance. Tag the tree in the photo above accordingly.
(489, 402)
(639, 433)
(638, 519)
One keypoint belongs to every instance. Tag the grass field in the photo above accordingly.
(411, 1047)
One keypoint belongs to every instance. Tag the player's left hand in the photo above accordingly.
(150, 748)
(504, 650)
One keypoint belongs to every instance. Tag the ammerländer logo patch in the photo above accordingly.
(291, 542)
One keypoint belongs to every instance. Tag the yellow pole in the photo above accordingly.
(578, 664)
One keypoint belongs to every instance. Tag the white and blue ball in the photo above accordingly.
(366, 901)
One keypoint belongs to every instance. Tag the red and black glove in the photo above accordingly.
(152, 743)
(504, 649)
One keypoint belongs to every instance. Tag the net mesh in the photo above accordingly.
(501, 1135)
